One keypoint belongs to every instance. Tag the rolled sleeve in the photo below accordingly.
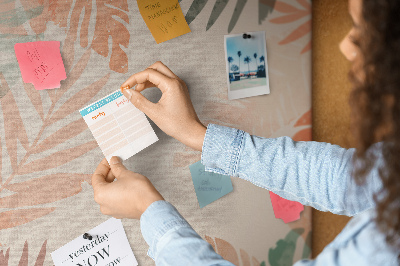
(222, 147)
(313, 173)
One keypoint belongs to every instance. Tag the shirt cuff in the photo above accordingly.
(158, 219)
(222, 148)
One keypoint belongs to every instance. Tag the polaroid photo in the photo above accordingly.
(246, 65)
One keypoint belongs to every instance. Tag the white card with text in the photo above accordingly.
(108, 247)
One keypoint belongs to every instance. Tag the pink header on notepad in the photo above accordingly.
(288, 211)
(41, 63)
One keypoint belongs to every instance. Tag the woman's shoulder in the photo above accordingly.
(363, 239)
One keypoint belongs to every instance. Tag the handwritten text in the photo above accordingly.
(100, 114)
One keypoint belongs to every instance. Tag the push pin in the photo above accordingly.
(246, 36)
(125, 88)
(87, 236)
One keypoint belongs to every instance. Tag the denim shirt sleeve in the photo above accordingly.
(172, 241)
(312, 173)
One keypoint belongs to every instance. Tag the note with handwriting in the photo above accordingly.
(108, 246)
(209, 186)
(118, 126)
(41, 63)
(287, 210)
(164, 19)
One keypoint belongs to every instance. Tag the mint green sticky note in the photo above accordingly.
(209, 186)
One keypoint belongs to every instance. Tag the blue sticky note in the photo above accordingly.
(209, 186)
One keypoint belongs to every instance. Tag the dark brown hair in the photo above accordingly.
(375, 102)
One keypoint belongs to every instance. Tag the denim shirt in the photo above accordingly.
(312, 173)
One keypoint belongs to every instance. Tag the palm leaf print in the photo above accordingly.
(293, 14)
(39, 188)
(236, 14)
(217, 10)
(284, 251)
(9, 219)
(24, 256)
(198, 5)
(229, 253)
(265, 7)
(43, 190)
(109, 15)
(35, 98)
(194, 10)
(13, 126)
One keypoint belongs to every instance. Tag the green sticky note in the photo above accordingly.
(209, 186)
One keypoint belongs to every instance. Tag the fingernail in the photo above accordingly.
(115, 160)
(128, 94)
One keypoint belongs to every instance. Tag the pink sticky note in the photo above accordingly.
(284, 209)
(41, 63)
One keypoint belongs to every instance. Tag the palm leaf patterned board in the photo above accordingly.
(198, 5)
(24, 259)
(47, 155)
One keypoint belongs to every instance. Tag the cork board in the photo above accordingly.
(331, 89)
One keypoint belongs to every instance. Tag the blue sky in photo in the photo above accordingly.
(248, 47)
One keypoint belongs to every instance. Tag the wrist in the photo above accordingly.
(150, 201)
(196, 137)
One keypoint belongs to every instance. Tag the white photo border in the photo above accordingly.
(247, 92)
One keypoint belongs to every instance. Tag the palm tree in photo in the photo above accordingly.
(262, 72)
(230, 60)
(234, 68)
(262, 59)
(239, 54)
(255, 58)
(247, 60)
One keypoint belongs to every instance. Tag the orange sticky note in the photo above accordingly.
(41, 63)
(164, 18)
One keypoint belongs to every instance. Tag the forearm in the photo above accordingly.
(172, 241)
(312, 173)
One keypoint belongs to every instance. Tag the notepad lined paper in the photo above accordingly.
(119, 128)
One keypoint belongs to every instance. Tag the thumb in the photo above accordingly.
(138, 100)
(117, 167)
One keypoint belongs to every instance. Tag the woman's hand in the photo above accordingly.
(174, 112)
(127, 197)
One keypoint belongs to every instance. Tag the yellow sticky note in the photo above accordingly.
(164, 18)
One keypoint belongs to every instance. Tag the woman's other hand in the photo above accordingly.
(127, 197)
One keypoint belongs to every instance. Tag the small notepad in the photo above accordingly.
(108, 246)
(118, 126)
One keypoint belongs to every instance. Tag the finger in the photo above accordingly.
(160, 67)
(141, 102)
(159, 80)
(110, 177)
(142, 86)
(117, 167)
(100, 174)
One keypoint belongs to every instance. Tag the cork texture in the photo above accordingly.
(330, 100)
